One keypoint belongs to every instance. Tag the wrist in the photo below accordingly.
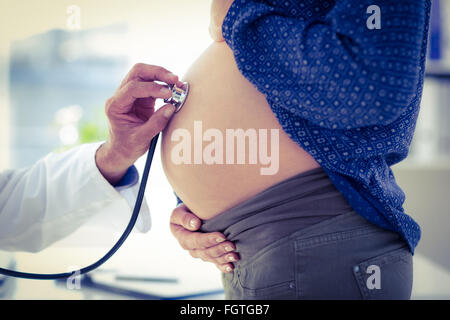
(111, 164)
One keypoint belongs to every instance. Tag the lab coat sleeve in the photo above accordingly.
(50, 200)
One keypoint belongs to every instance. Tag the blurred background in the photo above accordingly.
(61, 60)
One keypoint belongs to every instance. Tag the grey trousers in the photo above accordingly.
(344, 257)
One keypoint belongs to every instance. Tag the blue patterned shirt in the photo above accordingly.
(346, 93)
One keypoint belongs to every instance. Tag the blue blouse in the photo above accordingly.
(346, 93)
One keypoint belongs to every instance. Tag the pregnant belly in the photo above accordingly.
(210, 163)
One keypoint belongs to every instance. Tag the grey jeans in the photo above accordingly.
(344, 257)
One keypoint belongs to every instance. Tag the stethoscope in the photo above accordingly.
(179, 96)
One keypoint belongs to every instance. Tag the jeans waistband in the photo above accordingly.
(289, 206)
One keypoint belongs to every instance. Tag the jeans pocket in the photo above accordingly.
(279, 291)
(387, 276)
(270, 276)
(238, 287)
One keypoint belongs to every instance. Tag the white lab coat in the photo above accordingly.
(50, 200)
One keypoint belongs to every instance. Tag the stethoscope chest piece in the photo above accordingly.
(179, 96)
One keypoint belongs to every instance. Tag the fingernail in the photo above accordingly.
(193, 223)
(230, 258)
(228, 248)
(228, 269)
(171, 75)
(165, 90)
(219, 240)
(168, 112)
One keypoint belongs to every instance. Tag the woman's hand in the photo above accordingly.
(219, 10)
(210, 247)
(133, 120)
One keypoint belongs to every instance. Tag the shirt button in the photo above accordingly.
(356, 269)
(292, 285)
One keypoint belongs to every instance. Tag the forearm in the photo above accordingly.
(50, 200)
(46, 202)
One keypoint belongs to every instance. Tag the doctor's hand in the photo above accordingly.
(132, 119)
(210, 247)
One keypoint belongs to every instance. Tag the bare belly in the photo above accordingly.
(222, 98)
